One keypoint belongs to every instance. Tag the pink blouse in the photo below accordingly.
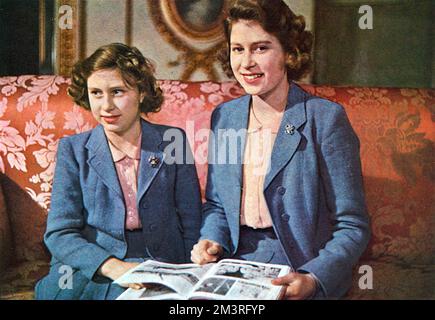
(258, 150)
(127, 165)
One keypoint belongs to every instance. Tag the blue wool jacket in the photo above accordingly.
(314, 189)
(87, 216)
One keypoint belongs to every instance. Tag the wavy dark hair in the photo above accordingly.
(136, 70)
(276, 18)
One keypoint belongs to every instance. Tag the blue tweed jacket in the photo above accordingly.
(86, 220)
(314, 189)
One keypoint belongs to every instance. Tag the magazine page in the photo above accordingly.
(241, 280)
(179, 277)
(156, 292)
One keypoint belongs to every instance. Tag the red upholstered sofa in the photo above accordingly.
(395, 126)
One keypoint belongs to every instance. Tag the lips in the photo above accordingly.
(110, 119)
(252, 77)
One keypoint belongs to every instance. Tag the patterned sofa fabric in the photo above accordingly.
(395, 127)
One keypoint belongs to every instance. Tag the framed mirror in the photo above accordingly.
(193, 27)
(197, 19)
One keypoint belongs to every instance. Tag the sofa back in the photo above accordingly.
(395, 127)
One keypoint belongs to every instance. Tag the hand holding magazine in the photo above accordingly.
(228, 279)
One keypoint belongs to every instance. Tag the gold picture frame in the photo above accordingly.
(203, 22)
(193, 27)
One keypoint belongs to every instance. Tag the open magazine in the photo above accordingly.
(229, 279)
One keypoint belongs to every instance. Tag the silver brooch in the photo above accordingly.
(290, 129)
(154, 161)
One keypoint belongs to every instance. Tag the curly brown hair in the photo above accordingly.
(136, 70)
(276, 18)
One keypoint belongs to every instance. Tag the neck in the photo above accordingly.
(128, 139)
(274, 101)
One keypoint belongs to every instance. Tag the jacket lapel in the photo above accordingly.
(101, 160)
(288, 137)
(238, 121)
(151, 158)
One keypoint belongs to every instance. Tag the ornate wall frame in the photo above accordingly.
(189, 31)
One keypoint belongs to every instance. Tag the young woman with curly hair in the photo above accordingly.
(116, 200)
(295, 194)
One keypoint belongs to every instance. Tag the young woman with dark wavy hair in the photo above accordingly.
(295, 195)
(116, 200)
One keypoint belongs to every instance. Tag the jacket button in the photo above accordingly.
(281, 190)
(144, 205)
(285, 217)
(152, 227)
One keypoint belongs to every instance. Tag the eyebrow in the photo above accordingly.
(111, 88)
(254, 43)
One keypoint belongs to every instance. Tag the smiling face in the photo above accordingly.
(114, 104)
(257, 59)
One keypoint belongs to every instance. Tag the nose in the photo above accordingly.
(107, 103)
(247, 60)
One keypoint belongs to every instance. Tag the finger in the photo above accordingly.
(134, 286)
(287, 279)
(197, 257)
(194, 257)
(213, 248)
(205, 251)
(203, 257)
(211, 252)
(197, 250)
(202, 245)
(293, 293)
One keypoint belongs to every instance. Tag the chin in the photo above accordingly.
(112, 128)
(252, 91)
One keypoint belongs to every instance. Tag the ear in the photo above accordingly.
(290, 60)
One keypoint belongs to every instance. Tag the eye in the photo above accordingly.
(261, 48)
(96, 93)
(237, 49)
(117, 92)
